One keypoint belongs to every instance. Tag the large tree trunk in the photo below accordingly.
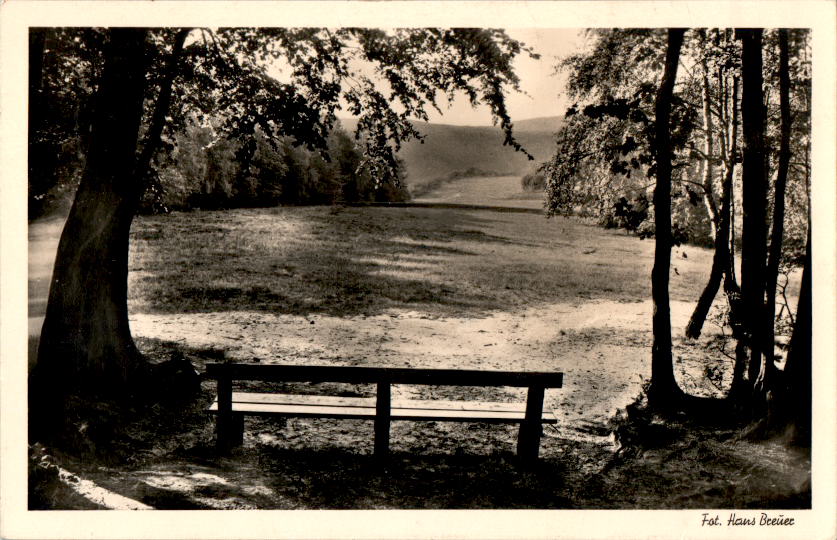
(664, 387)
(798, 366)
(754, 199)
(39, 152)
(86, 346)
(768, 368)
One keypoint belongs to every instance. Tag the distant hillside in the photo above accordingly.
(447, 149)
(543, 123)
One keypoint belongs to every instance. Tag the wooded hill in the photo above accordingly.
(447, 149)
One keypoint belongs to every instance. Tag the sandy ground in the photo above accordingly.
(602, 347)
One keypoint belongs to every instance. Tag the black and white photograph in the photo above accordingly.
(375, 259)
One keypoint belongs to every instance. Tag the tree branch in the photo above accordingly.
(158, 119)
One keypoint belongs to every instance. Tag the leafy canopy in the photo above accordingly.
(293, 81)
(278, 84)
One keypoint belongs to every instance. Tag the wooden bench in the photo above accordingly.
(231, 407)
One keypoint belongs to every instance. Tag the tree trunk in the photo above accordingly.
(768, 368)
(39, 152)
(731, 288)
(720, 264)
(86, 346)
(709, 151)
(798, 366)
(664, 387)
(158, 120)
(721, 260)
(754, 199)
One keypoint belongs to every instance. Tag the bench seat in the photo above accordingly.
(230, 408)
(310, 406)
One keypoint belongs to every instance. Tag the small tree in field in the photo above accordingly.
(86, 348)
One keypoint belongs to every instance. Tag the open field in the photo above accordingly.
(490, 191)
(420, 287)
(345, 261)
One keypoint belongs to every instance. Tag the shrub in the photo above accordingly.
(533, 181)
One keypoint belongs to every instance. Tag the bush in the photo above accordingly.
(534, 181)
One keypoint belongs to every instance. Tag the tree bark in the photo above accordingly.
(664, 389)
(768, 368)
(86, 346)
(798, 370)
(754, 198)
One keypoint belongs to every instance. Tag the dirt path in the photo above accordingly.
(43, 243)
(601, 346)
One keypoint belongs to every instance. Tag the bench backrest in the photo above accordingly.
(358, 374)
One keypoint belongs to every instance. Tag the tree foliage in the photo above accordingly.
(268, 88)
(604, 151)
(203, 171)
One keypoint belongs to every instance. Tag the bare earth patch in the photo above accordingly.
(602, 347)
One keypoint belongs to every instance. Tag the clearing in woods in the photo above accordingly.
(422, 287)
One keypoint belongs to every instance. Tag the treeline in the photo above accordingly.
(603, 166)
(200, 161)
(207, 171)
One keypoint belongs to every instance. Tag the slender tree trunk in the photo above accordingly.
(722, 219)
(158, 119)
(86, 346)
(737, 316)
(768, 369)
(754, 201)
(709, 155)
(730, 281)
(720, 265)
(664, 387)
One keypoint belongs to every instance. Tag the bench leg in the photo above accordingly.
(529, 439)
(382, 419)
(229, 429)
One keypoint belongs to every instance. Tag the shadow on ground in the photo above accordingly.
(339, 479)
(362, 261)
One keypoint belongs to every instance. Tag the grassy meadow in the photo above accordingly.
(345, 261)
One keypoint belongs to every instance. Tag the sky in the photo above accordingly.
(543, 88)
(536, 78)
